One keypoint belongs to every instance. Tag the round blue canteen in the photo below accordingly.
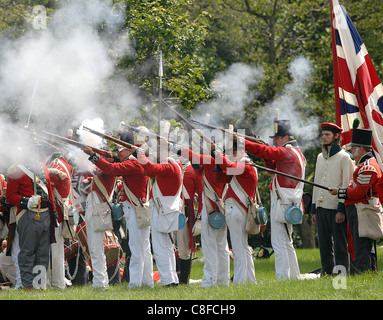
(293, 215)
(181, 221)
(117, 211)
(261, 217)
(217, 220)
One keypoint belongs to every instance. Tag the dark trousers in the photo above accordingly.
(362, 246)
(34, 237)
(332, 241)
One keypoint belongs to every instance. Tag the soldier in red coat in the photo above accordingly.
(60, 175)
(29, 189)
(240, 194)
(135, 194)
(186, 242)
(362, 192)
(285, 156)
(214, 241)
(166, 204)
(102, 189)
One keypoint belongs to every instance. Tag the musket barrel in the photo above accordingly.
(77, 144)
(289, 176)
(190, 125)
(210, 126)
(110, 138)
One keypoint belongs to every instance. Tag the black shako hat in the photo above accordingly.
(361, 137)
(281, 128)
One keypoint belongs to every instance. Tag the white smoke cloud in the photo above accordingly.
(54, 78)
(63, 74)
(293, 105)
(232, 92)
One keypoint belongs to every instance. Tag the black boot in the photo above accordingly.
(185, 268)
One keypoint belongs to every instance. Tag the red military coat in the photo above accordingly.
(283, 159)
(217, 180)
(20, 187)
(364, 182)
(246, 176)
(59, 170)
(132, 174)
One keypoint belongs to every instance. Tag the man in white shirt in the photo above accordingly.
(334, 167)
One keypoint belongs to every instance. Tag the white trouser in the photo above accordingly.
(215, 249)
(58, 269)
(141, 262)
(163, 250)
(96, 246)
(243, 261)
(15, 253)
(286, 262)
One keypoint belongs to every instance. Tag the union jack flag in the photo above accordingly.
(358, 90)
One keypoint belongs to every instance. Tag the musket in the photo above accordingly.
(77, 144)
(288, 176)
(191, 126)
(110, 138)
(150, 134)
(210, 126)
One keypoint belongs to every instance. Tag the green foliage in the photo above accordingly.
(167, 26)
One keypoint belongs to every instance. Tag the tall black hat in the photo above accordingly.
(361, 137)
(281, 128)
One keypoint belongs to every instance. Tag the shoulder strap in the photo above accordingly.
(31, 175)
(132, 198)
(102, 188)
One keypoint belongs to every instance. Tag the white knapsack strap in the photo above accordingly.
(157, 194)
(31, 175)
(102, 188)
(132, 198)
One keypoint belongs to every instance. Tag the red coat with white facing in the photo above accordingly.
(217, 180)
(167, 174)
(58, 172)
(364, 182)
(246, 176)
(283, 159)
(192, 181)
(132, 174)
(20, 187)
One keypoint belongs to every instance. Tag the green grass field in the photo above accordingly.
(362, 287)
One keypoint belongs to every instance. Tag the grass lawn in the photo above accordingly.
(363, 287)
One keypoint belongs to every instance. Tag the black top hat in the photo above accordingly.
(361, 137)
(281, 128)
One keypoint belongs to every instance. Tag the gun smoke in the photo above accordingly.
(54, 78)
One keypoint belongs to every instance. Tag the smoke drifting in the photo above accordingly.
(293, 105)
(232, 92)
(66, 72)
(52, 79)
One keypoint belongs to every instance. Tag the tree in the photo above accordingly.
(168, 27)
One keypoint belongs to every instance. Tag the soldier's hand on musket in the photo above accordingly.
(88, 150)
(333, 191)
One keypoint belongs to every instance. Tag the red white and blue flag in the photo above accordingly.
(358, 90)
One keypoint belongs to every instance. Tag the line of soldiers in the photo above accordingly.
(158, 205)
